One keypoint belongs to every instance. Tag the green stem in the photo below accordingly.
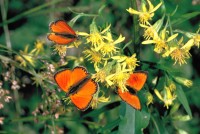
(170, 26)
(53, 124)
(156, 126)
(136, 44)
(18, 108)
(5, 27)
(52, 14)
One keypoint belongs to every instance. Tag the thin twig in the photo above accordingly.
(5, 26)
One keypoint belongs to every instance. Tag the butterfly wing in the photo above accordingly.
(79, 73)
(59, 39)
(63, 79)
(83, 97)
(68, 78)
(62, 33)
(130, 99)
(60, 26)
(137, 80)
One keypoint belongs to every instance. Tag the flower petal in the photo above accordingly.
(82, 33)
(188, 45)
(158, 95)
(106, 29)
(156, 7)
(132, 11)
(120, 39)
(148, 42)
(172, 37)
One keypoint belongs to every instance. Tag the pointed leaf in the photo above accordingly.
(141, 121)
(184, 18)
(158, 126)
(182, 98)
(109, 126)
(127, 124)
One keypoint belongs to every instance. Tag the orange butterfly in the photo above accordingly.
(62, 33)
(135, 83)
(78, 85)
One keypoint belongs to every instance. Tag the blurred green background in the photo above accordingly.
(29, 20)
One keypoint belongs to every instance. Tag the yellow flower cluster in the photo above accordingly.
(167, 96)
(165, 42)
(111, 66)
(102, 49)
(145, 15)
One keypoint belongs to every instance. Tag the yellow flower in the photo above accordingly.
(100, 76)
(149, 31)
(94, 56)
(149, 97)
(39, 46)
(76, 43)
(61, 49)
(180, 56)
(95, 37)
(196, 39)
(146, 14)
(188, 45)
(184, 81)
(172, 87)
(103, 72)
(161, 41)
(167, 96)
(119, 78)
(129, 62)
(96, 99)
(108, 47)
(175, 46)
(26, 57)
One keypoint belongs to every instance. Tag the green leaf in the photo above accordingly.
(158, 125)
(127, 124)
(141, 121)
(109, 126)
(133, 121)
(182, 98)
(126, 45)
(181, 118)
(184, 18)
(97, 112)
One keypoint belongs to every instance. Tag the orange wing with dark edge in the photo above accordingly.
(68, 78)
(62, 33)
(59, 39)
(63, 79)
(137, 80)
(83, 97)
(60, 26)
(78, 73)
(130, 99)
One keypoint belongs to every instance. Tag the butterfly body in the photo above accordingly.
(134, 84)
(78, 85)
(61, 33)
(66, 35)
(75, 88)
(130, 90)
